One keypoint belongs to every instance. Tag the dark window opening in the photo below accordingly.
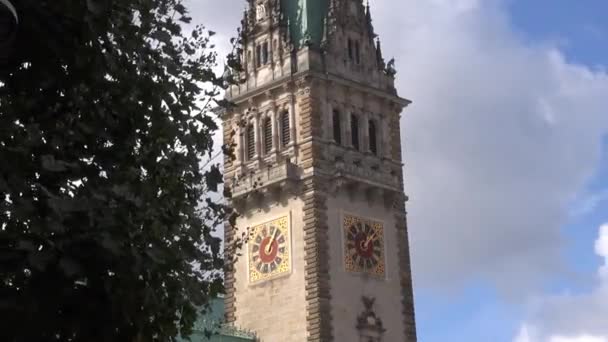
(261, 54)
(373, 144)
(350, 49)
(258, 56)
(265, 53)
(337, 127)
(285, 129)
(354, 127)
(250, 142)
(267, 135)
(357, 52)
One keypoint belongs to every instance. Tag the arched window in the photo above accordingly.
(285, 129)
(250, 141)
(354, 131)
(267, 135)
(337, 127)
(373, 143)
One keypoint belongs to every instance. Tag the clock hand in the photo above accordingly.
(274, 236)
(369, 239)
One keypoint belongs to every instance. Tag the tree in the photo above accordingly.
(104, 122)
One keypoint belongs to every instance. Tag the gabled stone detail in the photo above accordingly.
(369, 324)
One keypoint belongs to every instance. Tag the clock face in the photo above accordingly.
(363, 246)
(269, 250)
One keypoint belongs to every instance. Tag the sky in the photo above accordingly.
(506, 162)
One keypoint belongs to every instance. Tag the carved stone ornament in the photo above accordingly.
(260, 12)
(368, 323)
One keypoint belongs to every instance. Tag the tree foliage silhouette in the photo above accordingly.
(104, 122)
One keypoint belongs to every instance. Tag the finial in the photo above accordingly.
(379, 57)
(368, 17)
(325, 39)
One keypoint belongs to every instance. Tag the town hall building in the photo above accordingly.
(317, 180)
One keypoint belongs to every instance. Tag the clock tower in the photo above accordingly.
(317, 179)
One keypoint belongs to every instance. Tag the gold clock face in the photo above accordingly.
(270, 250)
(363, 246)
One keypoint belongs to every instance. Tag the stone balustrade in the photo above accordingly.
(366, 169)
(264, 178)
(380, 177)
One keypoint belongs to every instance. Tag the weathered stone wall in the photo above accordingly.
(275, 309)
(347, 289)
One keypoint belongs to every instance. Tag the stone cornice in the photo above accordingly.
(290, 79)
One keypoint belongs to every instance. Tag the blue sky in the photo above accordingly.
(478, 313)
(579, 26)
(580, 30)
(506, 162)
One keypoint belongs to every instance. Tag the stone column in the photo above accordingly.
(364, 132)
(347, 139)
(275, 130)
(292, 121)
(240, 142)
(257, 136)
(384, 137)
(329, 126)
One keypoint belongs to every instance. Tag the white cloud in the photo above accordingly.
(584, 338)
(601, 248)
(526, 336)
(573, 318)
(501, 137)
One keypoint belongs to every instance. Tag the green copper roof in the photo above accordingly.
(306, 20)
(211, 323)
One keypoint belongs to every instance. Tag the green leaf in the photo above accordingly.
(99, 169)
(26, 245)
(69, 266)
(50, 164)
(39, 260)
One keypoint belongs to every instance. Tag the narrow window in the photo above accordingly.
(354, 127)
(285, 132)
(337, 127)
(267, 135)
(250, 142)
(265, 53)
(258, 56)
(350, 49)
(357, 52)
(373, 144)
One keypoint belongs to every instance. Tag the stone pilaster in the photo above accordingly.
(407, 300)
(229, 280)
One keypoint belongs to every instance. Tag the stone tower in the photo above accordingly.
(317, 179)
